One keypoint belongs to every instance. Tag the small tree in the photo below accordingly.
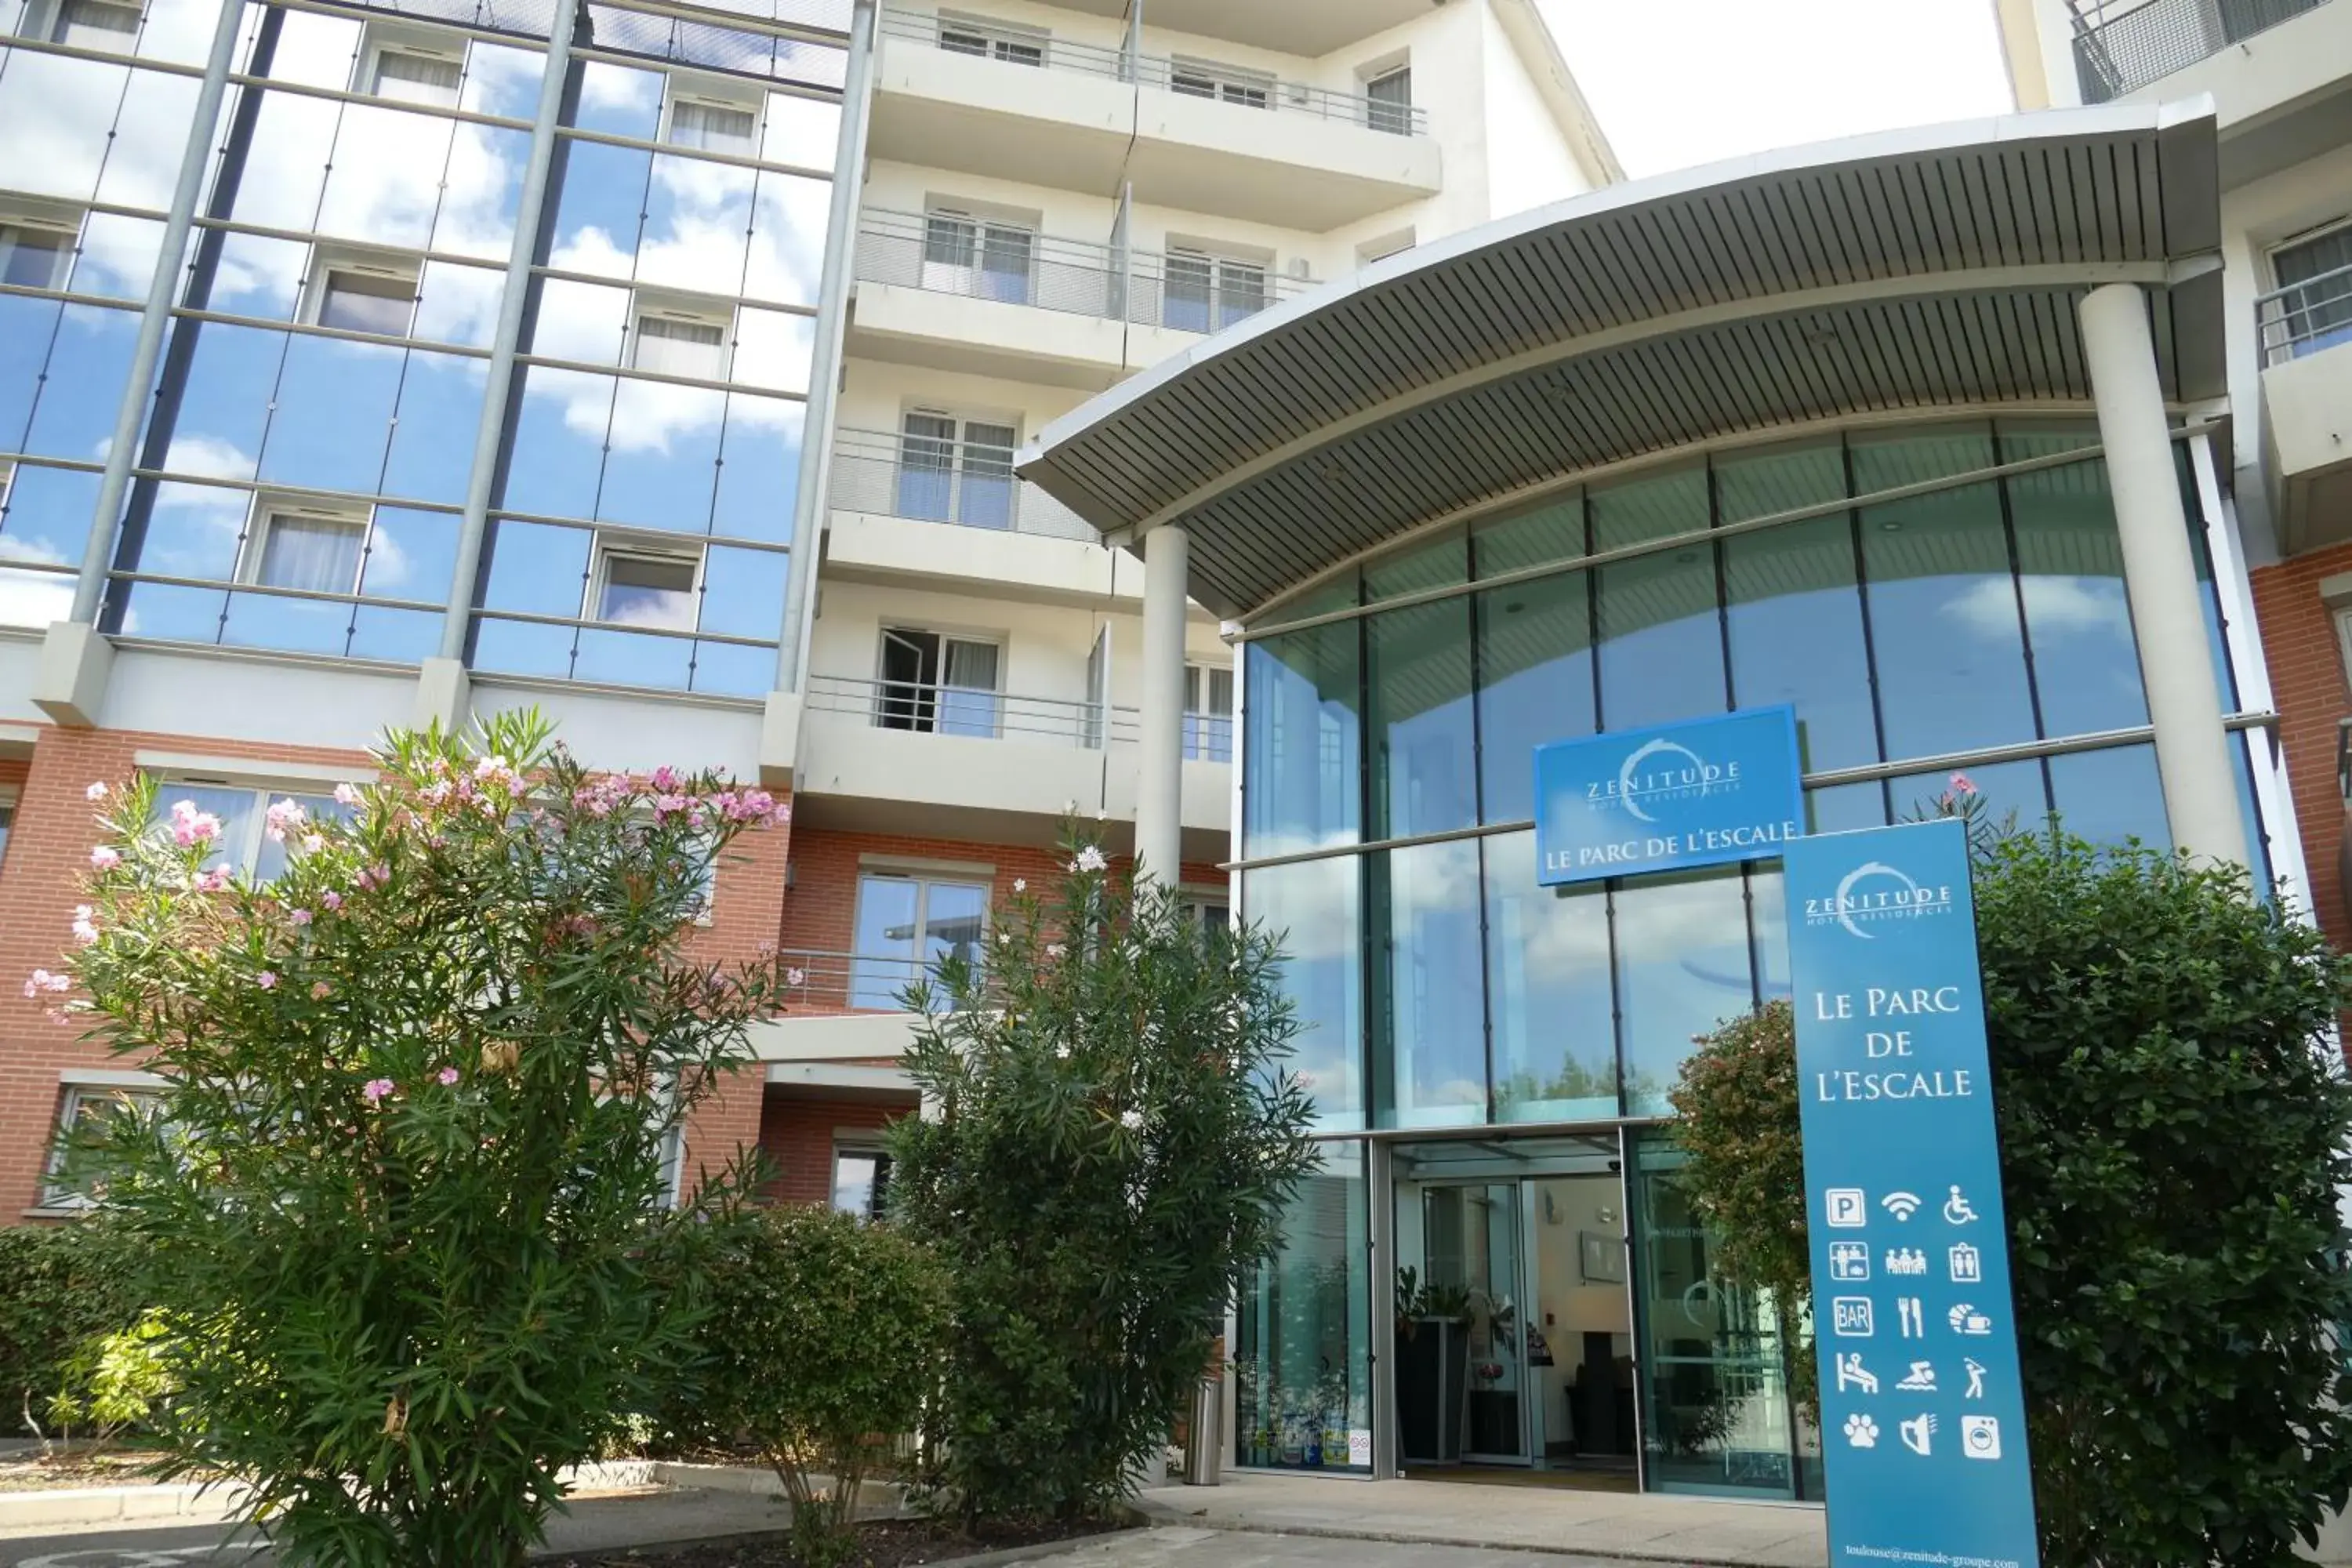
(60, 1288)
(824, 1337)
(406, 1188)
(1109, 1144)
(2174, 1129)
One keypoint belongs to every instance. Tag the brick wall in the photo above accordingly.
(796, 1134)
(2307, 683)
(41, 882)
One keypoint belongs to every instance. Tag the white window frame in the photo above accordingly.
(1236, 85)
(1200, 682)
(382, 40)
(923, 878)
(1220, 263)
(244, 858)
(959, 498)
(861, 1145)
(386, 265)
(610, 547)
(647, 303)
(72, 1093)
(1190, 901)
(998, 38)
(8, 797)
(1379, 113)
(48, 220)
(678, 89)
(268, 508)
(939, 689)
(44, 18)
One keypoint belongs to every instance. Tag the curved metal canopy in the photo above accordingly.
(1912, 270)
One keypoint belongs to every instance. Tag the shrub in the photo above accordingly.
(823, 1339)
(115, 1381)
(60, 1286)
(2174, 1125)
(1110, 1144)
(407, 1172)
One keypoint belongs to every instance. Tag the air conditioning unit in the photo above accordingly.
(1300, 269)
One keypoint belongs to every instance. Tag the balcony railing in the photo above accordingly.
(938, 707)
(821, 981)
(2306, 317)
(934, 480)
(1014, 267)
(2125, 52)
(1247, 91)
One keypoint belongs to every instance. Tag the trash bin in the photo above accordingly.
(1204, 1438)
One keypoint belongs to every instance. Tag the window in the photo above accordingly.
(243, 845)
(991, 40)
(35, 254)
(1203, 79)
(861, 1181)
(644, 588)
(938, 685)
(2312, 309)
(953, 469)
(8, 821)
(83, 1110)
(714, 126)
(1209, 712)
(1203, 292)
(906, 923)
(672, 341)
(315, 550)
(96, 25)
(1209, 910)
(416, 75)
(352, 296)
(989, 258)
(1388, 102)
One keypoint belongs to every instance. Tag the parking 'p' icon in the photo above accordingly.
(1848, 1207)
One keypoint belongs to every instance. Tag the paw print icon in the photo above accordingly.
(1861, 1431)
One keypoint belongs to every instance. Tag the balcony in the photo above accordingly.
(2275, 68)
(2305, 332)
(1027, 106)
(946, 290)
(941, 760)
(823, 982)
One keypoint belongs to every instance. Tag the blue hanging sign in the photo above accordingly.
(1923, 1421)
(1707, 792)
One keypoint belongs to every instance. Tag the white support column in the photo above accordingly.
(2184, 701)
(1160, 779)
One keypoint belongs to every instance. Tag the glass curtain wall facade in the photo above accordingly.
(1917, 594)
(302, 475)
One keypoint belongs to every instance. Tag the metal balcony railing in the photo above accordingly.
(950, 254)
(2305, 318)
(2125, 51)
(937, 707)
(934, 480)
(821, 981)
(1248, 91)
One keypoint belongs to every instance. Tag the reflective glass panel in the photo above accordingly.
(2085, 664)
(1548, 999)
(1314, 908)
(1944, 614)
(2012, 793)
(1302, 1349)
(1661, 641)
(1304, 760)
(1758, 482)
(1795, 622)
(1429, 1045)
(1682, 968)
(1535, 672)
(2111, 796)
(1424, 745)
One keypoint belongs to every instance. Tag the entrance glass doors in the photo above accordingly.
(1470, 1237)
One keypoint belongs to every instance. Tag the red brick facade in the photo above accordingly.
(2307, 683)
(776, 888)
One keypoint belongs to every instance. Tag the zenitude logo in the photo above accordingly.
(1855, 900)
(1652, 772)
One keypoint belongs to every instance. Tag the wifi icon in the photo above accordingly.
(1902, 1205)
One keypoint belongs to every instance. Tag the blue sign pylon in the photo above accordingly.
(1923, 1419)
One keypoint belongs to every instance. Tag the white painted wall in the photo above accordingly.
(1529, 162)
(280, 701)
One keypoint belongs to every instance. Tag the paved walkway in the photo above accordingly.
(1450, 1513)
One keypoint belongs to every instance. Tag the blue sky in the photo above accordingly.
(1687, 83)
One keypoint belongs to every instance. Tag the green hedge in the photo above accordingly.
(61, 1285)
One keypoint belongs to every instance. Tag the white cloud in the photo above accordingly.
(2055, 606)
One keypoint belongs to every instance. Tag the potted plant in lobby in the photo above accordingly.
(1432, 1368)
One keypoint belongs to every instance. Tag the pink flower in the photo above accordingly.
(95, 792)
(795, 976)
(105, 858)
(299, 917)
(376, 1088)
(331, 898)
(280, 819)
(1963, 784)
(1090, 858)
(345, 795)
(84, 929)
(267, 980)
(312, 843)
(42, 980)
(666, 779)
(190, 827)
(214, 880)
(1019, 884)
(447, 1076)
(320, 990)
